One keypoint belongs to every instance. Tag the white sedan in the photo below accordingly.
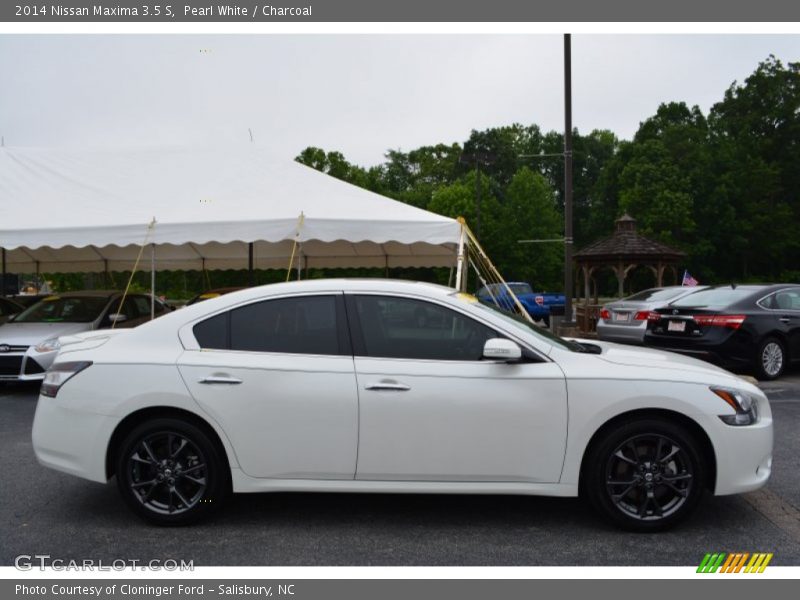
(391, 386)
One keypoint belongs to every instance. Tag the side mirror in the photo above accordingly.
(501, 349)
(117, 317)
(11, 317)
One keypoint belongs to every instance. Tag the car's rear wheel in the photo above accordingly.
(645, 475)
(171, 473)
(770, 359)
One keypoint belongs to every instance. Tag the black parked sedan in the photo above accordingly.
(734, 326)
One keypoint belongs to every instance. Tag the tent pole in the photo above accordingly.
(461, 284)
(3, 286)
(152, 281)
(250, 274)
(300, 262)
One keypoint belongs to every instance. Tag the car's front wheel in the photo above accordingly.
(171, 473)
(645, 475)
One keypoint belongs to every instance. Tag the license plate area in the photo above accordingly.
(676, 326)
(622, 317)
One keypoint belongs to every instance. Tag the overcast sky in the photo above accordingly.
(360, 94)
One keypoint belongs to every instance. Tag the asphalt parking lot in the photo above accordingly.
(45, 512)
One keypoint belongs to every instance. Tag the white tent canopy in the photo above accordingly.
(64, 210)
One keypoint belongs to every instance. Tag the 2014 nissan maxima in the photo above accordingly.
(390, 386)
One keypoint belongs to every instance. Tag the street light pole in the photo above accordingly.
(568, 179)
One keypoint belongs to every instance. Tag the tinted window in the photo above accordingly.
(73, 309)
(783, 300)
(718, 297)
(213, 332)
(303, 325)
(656, 295)
(143, 306)
(405, 328)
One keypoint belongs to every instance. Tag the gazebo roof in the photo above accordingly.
(627, 244)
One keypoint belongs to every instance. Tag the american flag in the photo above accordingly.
(688, 280)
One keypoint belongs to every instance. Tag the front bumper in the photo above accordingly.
(71, 441)
(25, 366)
(743, 454)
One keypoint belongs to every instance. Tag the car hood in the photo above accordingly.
(649, 358)
(29, 334)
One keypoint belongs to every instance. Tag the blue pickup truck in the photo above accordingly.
(538, 304)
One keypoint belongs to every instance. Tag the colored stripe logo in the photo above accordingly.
(735, 562)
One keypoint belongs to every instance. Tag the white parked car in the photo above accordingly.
(391, 386)
(29, 340)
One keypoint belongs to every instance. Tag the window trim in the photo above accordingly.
(774, 293)
(529, 354)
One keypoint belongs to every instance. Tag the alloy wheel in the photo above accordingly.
(772, 358)
(167, 473)
(649, 477)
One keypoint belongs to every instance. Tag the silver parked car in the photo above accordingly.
(29, 341)
(626, 320)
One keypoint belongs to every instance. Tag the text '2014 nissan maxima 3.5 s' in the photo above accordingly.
(390, 386)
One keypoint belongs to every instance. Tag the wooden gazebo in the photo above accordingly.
(622, 252)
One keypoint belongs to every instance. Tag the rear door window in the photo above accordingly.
(297, 325)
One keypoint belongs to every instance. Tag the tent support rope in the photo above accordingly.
(150, 228)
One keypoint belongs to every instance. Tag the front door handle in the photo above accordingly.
(785, 319)
(220, 379)
(390, 386)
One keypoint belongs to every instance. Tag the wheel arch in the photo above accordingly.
(131, 421)
(693, 427)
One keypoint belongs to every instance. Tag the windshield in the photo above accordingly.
(57, 309)
(520, 288)
(656, 295)
(518, 321)
(713, 297)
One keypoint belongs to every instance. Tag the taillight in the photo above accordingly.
(653, 316)
(604, 314)
(729, 321)
(642, 315)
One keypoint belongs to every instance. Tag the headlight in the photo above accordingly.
(59, 374)
(48, 345)
(744, 404)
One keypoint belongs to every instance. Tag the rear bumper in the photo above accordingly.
(71, 441)
(627, 334)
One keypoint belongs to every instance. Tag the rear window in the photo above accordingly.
(656, 295)
(714, 297)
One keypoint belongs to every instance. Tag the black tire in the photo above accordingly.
(169, 472)
(644, 486)
(770, 361)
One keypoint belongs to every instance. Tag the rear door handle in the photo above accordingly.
(220, 379)
(390, 386)
(785, 319)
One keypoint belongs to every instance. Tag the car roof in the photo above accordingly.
(88, 293)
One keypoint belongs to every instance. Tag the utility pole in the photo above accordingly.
(476, 159)
(568, 179)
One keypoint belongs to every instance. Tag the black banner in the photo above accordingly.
(207, 11)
